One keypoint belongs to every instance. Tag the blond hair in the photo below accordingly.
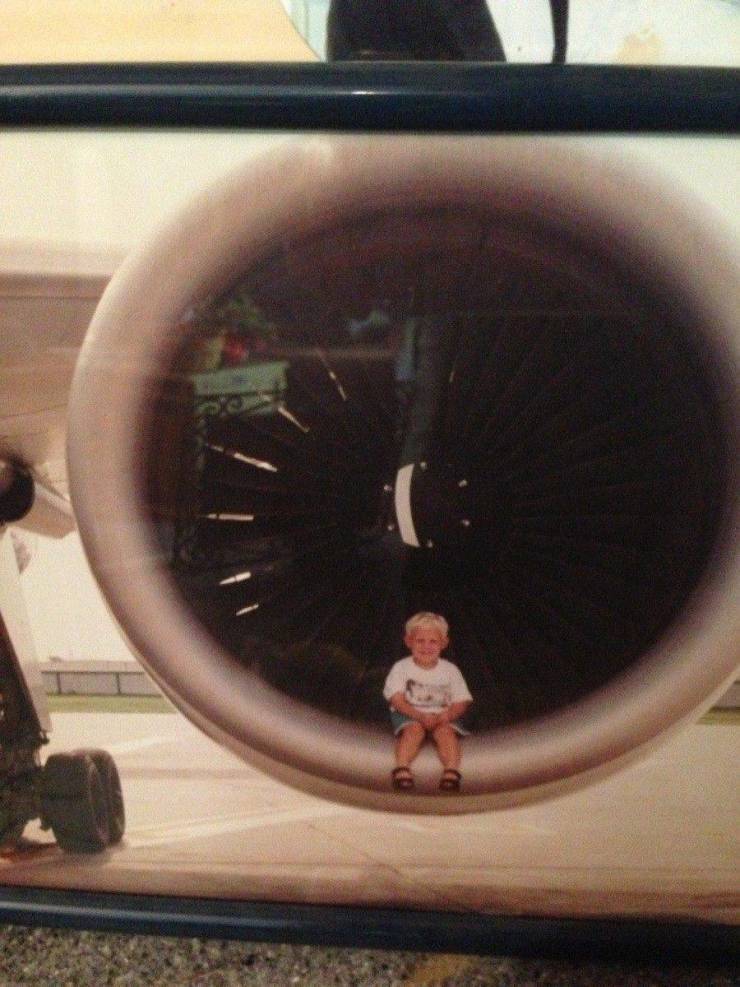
(427, 619)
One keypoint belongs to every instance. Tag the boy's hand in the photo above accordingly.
(434, 720)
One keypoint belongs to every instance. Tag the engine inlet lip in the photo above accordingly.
(321, 181)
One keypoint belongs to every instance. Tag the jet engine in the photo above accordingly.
(494, 379)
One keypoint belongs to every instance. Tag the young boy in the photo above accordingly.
(427, 696)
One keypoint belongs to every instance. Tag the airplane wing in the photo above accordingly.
(49, 291)
(47, 297)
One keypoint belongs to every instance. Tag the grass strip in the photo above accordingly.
(109, 704)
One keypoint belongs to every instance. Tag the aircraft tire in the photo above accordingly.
(75, 804)
(114, 793)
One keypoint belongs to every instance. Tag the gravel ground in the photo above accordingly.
(55, 958)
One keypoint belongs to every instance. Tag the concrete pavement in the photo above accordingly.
(656, 840)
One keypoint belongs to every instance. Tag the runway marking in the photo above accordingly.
(231, 824)
(127, 746)
(441, 827)
(411, 826)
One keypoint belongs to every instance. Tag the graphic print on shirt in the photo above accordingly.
(426, 695)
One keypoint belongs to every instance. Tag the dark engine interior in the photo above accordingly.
(559, 409)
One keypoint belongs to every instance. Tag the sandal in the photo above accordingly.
(402, 779)
(450, 780)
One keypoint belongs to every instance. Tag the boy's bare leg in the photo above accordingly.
(448, 746)
(408, 744)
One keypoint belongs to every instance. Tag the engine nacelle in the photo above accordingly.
(364, 377)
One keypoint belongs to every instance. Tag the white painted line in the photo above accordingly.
(261, 464)
(229, 824)
(228, 517)
(239, 578)
(332, 376)
(403, 506)
(282, 410)
(127, 746)
(435, 828)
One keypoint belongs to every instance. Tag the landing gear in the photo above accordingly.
(78, 794)
(81, 800)
(113, 794)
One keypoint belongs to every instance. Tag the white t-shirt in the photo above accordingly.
(430, 689)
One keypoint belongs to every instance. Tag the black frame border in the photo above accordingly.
(618, 940)
(373, 97)
(383, 96)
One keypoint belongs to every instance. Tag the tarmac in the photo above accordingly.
(200, 822)
(214, 822)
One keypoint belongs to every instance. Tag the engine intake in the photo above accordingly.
(367, 377)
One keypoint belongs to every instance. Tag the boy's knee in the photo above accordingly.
(445, 732)
(414, 729)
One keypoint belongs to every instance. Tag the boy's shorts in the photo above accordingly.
(399, 721)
